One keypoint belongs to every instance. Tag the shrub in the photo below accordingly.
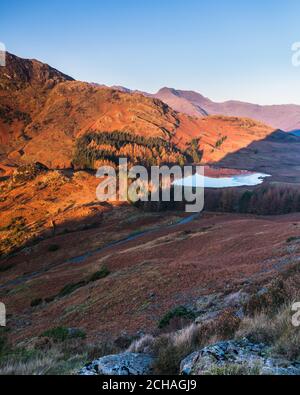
(60, 334)
(49, 299)
(226, 324)
(103, 272)
(3, 344)
(69, 288)
(168, 356)
(291, 239)
(180, 312)
(36, 302)
(288, 344)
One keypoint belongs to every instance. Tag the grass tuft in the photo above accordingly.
(61, 334)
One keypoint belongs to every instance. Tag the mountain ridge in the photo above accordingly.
(279, 116)
(43, 112)
(285, 116)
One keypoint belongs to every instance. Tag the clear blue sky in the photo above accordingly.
(225, 49)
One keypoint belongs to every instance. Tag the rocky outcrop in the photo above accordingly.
(126, 364)
(28, 172)
(211, 306)
(239, 354)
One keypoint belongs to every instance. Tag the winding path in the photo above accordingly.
(81, 258)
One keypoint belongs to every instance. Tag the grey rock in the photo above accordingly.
(210, 301)
(210, 306)
(236, 352)
(125, 364)
(209, 316)
(262, 291)
(236, 298)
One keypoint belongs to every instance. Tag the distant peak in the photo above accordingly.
(166, 90)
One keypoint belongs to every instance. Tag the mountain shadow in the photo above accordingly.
(278, 155)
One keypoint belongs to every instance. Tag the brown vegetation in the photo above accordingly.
(59, 110)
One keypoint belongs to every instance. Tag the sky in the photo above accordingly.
(224, 49)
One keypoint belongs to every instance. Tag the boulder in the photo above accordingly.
(239, 354)
(125, 364)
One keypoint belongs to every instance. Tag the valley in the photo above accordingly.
(113, 271)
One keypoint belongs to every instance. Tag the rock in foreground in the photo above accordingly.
(125, 364)
(236, 357)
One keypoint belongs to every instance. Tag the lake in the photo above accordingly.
(223, 178)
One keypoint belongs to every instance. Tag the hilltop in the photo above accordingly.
(43, 112)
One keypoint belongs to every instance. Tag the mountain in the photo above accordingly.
(76, 283)
(180, 103)
(24, 88)
(43, 112)
(285, 117)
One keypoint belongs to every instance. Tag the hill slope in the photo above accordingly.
(43, 112)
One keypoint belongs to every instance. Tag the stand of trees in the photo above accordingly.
(98, 148)
(9, 115)
(270, 199)
(192, 152)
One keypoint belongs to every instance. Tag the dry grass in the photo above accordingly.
(30, 364)
(169, 349)
(142, 345)
(269, 318)
(269, 321)
(49, 358)
(233, 370)
(276, 331)
(282, 290)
